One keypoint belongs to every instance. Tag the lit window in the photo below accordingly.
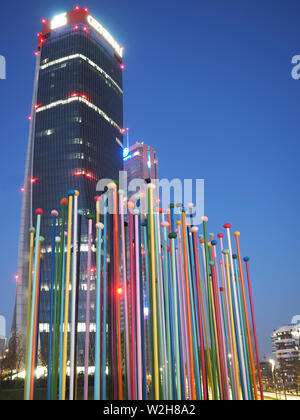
(90, 62)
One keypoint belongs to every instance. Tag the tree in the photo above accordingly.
(15, 354)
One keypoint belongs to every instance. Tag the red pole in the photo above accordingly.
(246, 259)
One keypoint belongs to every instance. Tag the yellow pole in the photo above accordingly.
(67, 293)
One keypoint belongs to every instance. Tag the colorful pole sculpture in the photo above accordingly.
(39, 213)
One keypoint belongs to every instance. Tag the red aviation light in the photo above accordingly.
(22, 189)
(43, 20)
(84, 96)
(36, 106)
(29, 118)
(122, 67)
(74, 95)
(85, 28)
(78, 173)
(33, 180)
(77, 8)
(86, 9)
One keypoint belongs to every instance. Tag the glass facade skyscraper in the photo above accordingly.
(75, 139)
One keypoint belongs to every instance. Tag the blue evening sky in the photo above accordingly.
(208, 84)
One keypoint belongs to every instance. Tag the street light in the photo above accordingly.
(272, 363)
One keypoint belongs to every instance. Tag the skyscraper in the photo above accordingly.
(140, 161)
(75, 137)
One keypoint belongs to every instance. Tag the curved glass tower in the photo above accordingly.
(75, 138)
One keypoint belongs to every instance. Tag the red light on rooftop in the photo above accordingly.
(43, 20)
(88, 175)
(84, 96)
(77, 8)
(29, 118)
(74, 95)
(33, 180)
(122, 67)
(85, 28)
(22, 189)
(76, 27)
(36, 106)
(78, 173)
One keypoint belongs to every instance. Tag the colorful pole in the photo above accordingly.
(39, 213)
(99, 228)
(90, 218)
(247, 259)
(74, 297)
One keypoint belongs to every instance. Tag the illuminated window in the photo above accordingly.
(90, 62)
(86, 102)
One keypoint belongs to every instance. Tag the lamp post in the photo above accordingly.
(272, 363)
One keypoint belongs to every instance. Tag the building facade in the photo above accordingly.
(75, 138)
(286, 347)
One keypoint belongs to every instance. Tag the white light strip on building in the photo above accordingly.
(86, 102)
(90, 62)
